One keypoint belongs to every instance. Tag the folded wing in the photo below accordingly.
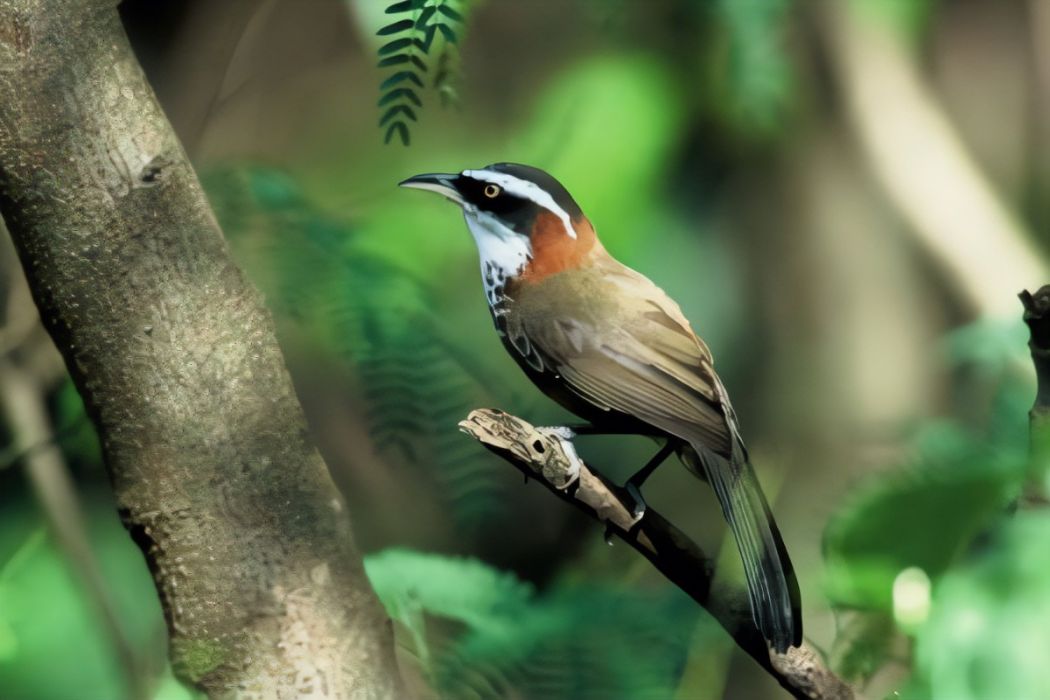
(653, 367)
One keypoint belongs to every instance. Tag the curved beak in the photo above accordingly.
(442, 183)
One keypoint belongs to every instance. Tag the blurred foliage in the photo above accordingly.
(390, 292)
(409, 43)
(52, 644)
(909, 18)
(987, 636)
(415, 381)
(927, 512)
(943, 512)
(510, 642)
(76, 436)
(757, 74)
(924, 515)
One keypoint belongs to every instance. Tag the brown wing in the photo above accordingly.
(627, 347)
(622, 344)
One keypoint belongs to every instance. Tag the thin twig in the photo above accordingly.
(546, 455)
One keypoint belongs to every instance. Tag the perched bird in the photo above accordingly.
(613, 348)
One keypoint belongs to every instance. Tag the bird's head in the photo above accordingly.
(525, 223)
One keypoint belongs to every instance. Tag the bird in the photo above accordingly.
(609, 345)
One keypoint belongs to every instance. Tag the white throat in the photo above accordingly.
(503, 252)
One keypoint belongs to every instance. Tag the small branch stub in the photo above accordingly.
(1037, 317)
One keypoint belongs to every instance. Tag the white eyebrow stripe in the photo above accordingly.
(526, 190)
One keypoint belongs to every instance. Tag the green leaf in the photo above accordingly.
(572, 645)
(396, 110)
(568, 644)
(399, 93)
(400, 77)
(446, 31)
(457, 588)
(404, 6)
(394, 46)
(424, 17)
(987, 636)
(446, 10)
(924, 516)
(394, 60)
(396, 27)
(400, 128)
(428, 38)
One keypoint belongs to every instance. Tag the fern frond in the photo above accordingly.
(411, 42)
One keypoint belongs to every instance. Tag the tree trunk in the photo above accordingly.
(176, 358)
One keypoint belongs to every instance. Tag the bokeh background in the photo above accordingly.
(845, 196)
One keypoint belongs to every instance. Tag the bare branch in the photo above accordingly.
(175, 355)
(546, 455)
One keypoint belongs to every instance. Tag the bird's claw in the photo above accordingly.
(568, 474)
(562, 431)
(639, 507)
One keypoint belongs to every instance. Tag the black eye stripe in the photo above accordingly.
(517, 213)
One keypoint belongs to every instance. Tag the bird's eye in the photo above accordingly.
(492, 191)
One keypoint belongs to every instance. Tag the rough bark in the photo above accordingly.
(176, 358)
(548, 456)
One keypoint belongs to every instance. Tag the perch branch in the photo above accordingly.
(175, 355)
(547, 455)
(1037, 316)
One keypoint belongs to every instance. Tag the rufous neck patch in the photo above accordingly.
(554, 251)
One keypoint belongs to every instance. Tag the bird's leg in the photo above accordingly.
(634, 484)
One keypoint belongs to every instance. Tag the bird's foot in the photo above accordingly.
(563, 473)
(562, 431)
(638, 510)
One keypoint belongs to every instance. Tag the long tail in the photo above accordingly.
(771, 584)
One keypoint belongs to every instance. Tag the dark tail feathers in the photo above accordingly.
(771, 584)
